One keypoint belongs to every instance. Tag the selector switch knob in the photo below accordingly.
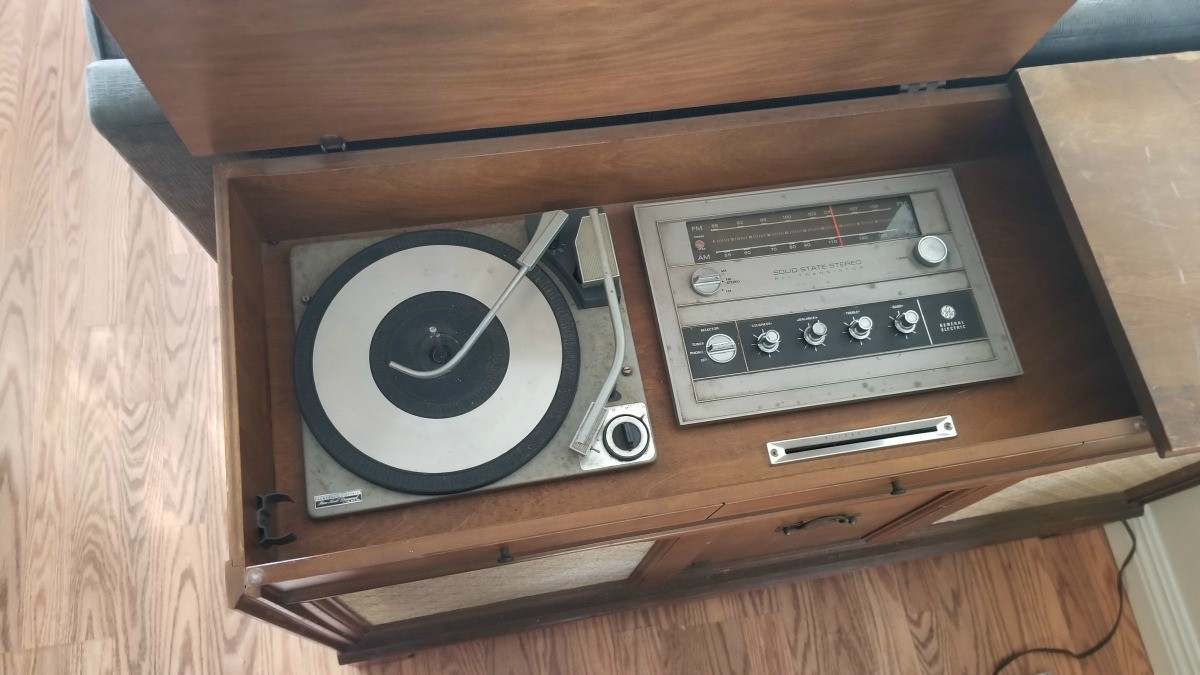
(815, 332)
(931, 251)
(906, 321)
(706, 281)
(721, 348)
(768, 341)
(860, 328)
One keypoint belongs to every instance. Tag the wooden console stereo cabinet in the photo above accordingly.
(1082, 182)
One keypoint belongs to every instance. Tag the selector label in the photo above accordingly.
(695, 340)
(838, 333)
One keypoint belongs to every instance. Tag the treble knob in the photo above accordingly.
(815, 332)
(906, 321)
(860, 328)
(768, 341)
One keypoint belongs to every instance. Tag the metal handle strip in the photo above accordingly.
(858, 440)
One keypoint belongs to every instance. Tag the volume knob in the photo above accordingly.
(860, 328)
(815, 332)
(906, 321)
(706, 281)
(768, 341)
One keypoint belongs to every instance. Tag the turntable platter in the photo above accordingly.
(415, 299)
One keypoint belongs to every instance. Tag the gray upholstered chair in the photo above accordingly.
(124, 112)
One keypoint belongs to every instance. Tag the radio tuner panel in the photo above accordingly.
(820, 294)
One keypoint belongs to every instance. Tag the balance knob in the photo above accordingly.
(768, 341)
(815, 332)
(860, 328)
(906, 321)
(931, 250)
(720, 348)
(706, 281)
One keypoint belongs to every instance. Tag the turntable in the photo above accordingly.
(442, 361)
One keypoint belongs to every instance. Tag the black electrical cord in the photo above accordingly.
(1008, 660)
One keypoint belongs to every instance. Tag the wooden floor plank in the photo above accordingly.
(111, 469)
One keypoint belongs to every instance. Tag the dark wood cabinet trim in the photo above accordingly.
(668, 558)
(540, 611)
(931, 511)
(290, 620)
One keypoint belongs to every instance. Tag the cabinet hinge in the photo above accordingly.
(332, 143)
(917, 87)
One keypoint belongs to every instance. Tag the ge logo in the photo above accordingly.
(947, 312)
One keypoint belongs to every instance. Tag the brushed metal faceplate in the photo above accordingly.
(785, 283)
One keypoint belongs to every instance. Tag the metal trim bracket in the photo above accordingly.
(857, 440)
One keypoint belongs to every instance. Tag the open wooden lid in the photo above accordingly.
(1120, 141)
(236, 76)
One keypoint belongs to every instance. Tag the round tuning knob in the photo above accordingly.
(626, 438)
(706, 281)
(860, 328)
(906, 321)
(720, 348)
(815, 332)
(931, 250)
(768, 341)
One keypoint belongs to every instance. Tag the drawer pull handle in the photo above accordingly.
(897, 488)
(505, 556)
(838, 519)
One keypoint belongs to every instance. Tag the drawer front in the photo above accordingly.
(801, 529)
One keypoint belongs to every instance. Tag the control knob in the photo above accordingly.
(931, 251)
(815, 332)
(626, 438)
(860, 328)
(706, 281)
(906, 321)
(720, 348)
(768, 341)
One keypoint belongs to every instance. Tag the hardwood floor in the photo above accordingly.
(110, 469)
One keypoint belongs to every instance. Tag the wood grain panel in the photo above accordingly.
(762, 536)
(854, 622)
(243, 76)
(1119, 143)
(1027, 253)
(438, 183)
